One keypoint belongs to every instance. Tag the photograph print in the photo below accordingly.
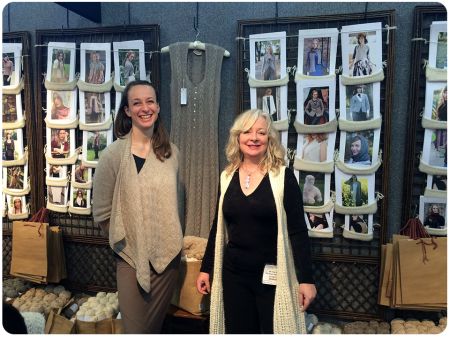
(80, 198)
(129, 61)
(57, 195)
(12, 144)
(360, 102)
(436, 101)
(317, 51)
(435, 147)
(316, 147)
(315, 187)
(16, 177)
(433, 212)
(94, 142)
(359, 147)
(59, 142)
(94, 107)
(361, 224)
(361, 49)
(315, 101)
(96, 62)
(437, 182)
(11, 54)
(438, 45)
(56, 170)
(268, 56)
(354, 190)
(61, 62)
(61, 106)
(16, 204)
(12, 108)
(80, 173)
(319, 221)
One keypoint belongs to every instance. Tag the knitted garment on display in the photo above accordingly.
(68, 86)
(288, 318)
(97, 126)
(321, 167)
(359, 170)
(281, 125)
(142, 208)
(14, 125)
(355, 235)
(34, 321)
(435, 193)
(87, 185)
(80, 211)
(19, 162)
(320, 209)
(66, 125)
(430, 170)
(434, 74)
(10, 90)
(20, 216)
(16, 192)
(320, 233)
(365, 209)
(57, 208)
(69, 160)
(433, 124)
(254, 83)
(354, 80)
(328, 127)
(194, 129)
(56, 182)
(345, 125)
(96, 88)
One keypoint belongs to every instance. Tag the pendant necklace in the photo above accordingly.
(247, 180)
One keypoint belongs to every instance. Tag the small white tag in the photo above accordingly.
(183, 96)
(7, 298)
(200, 307)
(270, 275)
(74, 307)
(311, 325)
(119, 316)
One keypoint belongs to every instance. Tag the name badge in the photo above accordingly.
(270, 275)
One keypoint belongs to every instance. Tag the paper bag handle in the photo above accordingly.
(424, 248)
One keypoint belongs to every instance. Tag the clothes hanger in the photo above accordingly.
(197, 46)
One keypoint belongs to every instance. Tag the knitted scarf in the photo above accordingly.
(363, 154)
(312, 62)
(287, 318)
(144, 219)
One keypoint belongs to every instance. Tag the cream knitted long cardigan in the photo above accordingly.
(287, 318)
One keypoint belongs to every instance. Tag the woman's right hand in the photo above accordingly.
(203, 283)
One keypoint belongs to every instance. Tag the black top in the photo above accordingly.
(139, 164)
(253, 228)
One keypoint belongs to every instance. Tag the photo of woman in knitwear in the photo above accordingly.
(360, 61)
(136, 206)
(315, 63)
(8, 69)
(96, 70)
(254, 189)
(60, 69)
(314, 111)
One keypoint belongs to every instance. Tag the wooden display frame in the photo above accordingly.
(414, 180)
(338, 257)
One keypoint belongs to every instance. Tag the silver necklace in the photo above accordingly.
(247, 180)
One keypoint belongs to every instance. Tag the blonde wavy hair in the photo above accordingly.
(272, 160)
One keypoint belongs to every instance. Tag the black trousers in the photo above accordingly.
(359, 116)
(248, 303)
(5, 80)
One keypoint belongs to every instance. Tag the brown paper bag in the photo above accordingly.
(29, 249)
(423, 282)
(117, 326)
(104, 326)
(186, 296)
(57, 324)
(385, 267)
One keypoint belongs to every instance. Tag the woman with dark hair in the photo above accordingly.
(359, 149)
(128, 65)
(94, 104)
(17, 208)
(136, 206)
(6, 109)
(96, 145)
(315, 61)
(9, 147)
(79, 201)
(434, 219)
(361, 63)
(97, 69)
(8, 67)
(60, 106)
(314, 110)
(59, 69)
(60, 145)
(441, 110)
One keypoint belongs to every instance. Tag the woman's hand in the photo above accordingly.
(203, 283)
(9, 78)
(306, 294)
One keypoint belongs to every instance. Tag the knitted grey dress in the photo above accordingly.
(194, 130)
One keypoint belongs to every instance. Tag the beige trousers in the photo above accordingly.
(143, 312)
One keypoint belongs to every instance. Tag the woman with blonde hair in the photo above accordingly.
(269, 65)
(259, 223)
(434, 218)
(315, 149)
(315, 61)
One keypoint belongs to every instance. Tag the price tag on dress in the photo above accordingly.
(183, 96)
(270, 275)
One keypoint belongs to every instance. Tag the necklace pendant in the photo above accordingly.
(246, 186)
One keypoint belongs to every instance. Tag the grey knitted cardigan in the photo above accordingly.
(142, 208)
(194, 129)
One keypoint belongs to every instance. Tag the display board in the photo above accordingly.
(346, 271)
(25, 99)
(90, 262)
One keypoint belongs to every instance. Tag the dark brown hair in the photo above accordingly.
(122, 124)
(362, 35)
